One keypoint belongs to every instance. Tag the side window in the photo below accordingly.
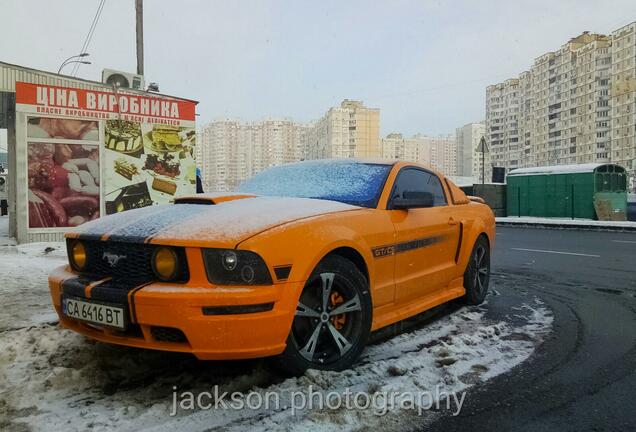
(412, 179)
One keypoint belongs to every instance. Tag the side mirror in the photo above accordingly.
(413, 199)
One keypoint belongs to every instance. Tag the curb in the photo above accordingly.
(568, 226)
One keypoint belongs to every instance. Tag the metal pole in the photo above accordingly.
(139, 9)
(519, 201)
(483, 165)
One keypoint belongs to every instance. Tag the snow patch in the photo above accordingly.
(529, 220)
(54, 379)
(557, 169)
(23, 281)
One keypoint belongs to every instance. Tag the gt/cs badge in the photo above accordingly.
(383, 251)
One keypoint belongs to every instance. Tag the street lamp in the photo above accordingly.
(68, 60)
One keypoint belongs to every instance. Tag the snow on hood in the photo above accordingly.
(226, 223)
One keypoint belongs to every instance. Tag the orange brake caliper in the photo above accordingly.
(339, 320)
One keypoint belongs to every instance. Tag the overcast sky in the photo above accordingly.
(425, 64)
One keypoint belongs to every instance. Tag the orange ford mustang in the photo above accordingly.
(302, 262)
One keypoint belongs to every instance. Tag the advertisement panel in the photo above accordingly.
(63, 184)
(98, 152)
(147, 163)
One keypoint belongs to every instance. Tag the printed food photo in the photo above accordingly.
(63, 184)
(159, 156)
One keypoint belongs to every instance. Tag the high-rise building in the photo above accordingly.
(231, 151)
(395, 146)
(502, 125)
(574, 105)
(220, 156)
(438, 152)
(623, 97)
(467, 140)
(350, 130)
(444, 154)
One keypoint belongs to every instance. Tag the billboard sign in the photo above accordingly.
(91, 152)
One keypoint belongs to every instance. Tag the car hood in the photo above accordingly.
(211, 223)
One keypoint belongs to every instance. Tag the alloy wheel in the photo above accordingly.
(326, 323)
(481, 269)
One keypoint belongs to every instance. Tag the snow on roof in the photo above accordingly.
(557, 169)
(343, 160)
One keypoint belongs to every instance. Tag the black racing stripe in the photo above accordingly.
(133, 310)
(113, 291)
(417, 244)
(75, 287)
(95, 230)
(90, 237)
(147, 227)
(393, 249)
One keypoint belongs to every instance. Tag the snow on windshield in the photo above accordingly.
(338, 180)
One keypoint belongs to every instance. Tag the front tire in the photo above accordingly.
(332, 322)
(477, 275)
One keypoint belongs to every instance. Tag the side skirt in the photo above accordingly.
(392, 313)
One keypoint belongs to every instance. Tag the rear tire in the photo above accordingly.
(477, 275)
(332, 322)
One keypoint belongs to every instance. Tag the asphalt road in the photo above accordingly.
(583, 377)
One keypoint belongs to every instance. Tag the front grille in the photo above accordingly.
(168, 334)
(128, 261)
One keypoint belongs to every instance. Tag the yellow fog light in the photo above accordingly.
(165, 264)
(78, 256)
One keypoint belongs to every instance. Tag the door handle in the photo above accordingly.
(452, 221)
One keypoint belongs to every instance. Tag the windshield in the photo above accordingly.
(348, 182)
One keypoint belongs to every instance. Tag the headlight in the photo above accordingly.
(235, 267)
(165, 263)
(229, 260)
(77, 255)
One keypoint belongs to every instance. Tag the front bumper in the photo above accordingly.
(181, 307)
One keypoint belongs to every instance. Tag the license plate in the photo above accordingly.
(96, 313)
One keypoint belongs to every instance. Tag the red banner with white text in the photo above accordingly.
(103, 105)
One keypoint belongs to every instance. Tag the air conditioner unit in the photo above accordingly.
(123, 79)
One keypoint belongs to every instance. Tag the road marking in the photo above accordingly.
(623, 241)
(556, 252)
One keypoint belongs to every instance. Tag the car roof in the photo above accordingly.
(402, 164)
(379, 161)
(374, 161)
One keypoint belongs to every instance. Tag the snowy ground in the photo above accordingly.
(52, 379)
(529, 220)
(23, 288)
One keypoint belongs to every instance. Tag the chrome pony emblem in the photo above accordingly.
(112, 259)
